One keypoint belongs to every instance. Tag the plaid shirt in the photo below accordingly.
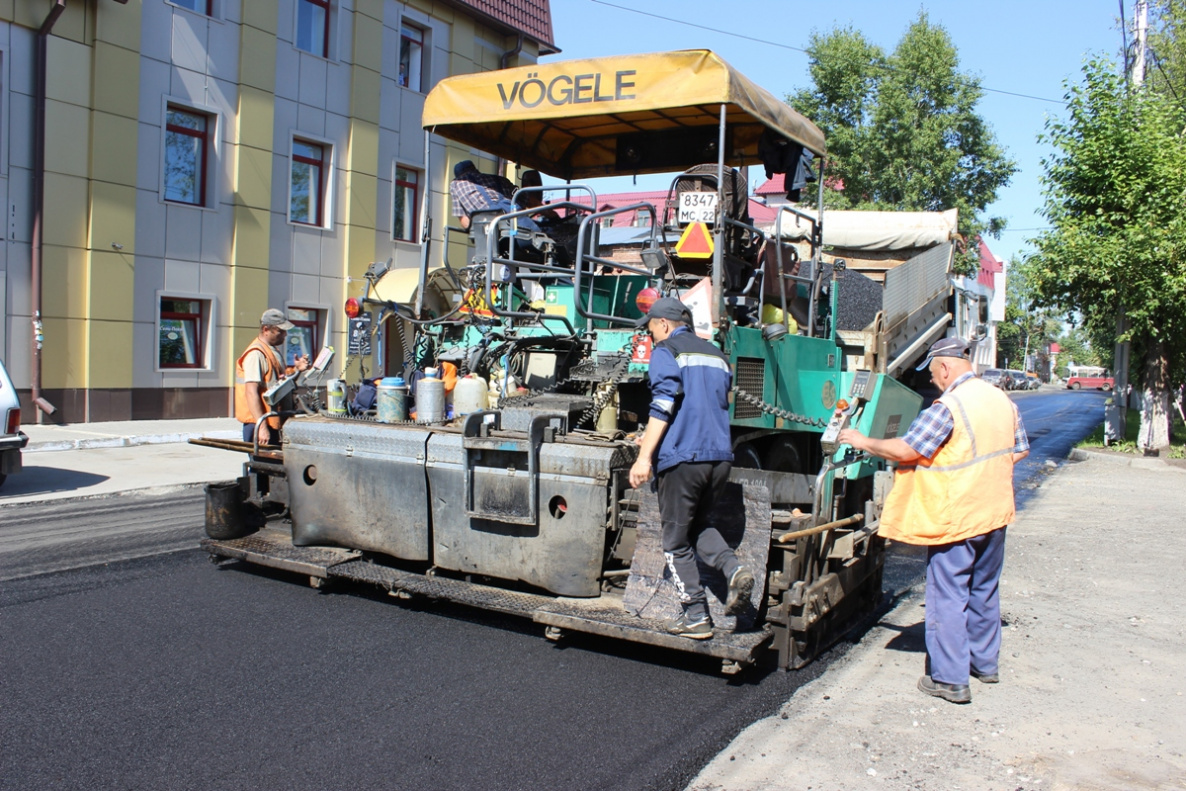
(475, 191)
(934, 425)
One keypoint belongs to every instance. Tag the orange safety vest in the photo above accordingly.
(271, 376)
(966, 490)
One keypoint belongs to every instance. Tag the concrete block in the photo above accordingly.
(64, 274)
(337, 98)
(365, 94)
(144, 355)
(113, 217)
(253, 182)
(182, 278)
(115, 156)
(311, 120)
(216, 236)
(155, 80)
(288, 65)
(255, 118)
(65, 151)
(313, 76)
(66, 223)
(150, 224)
(262, 14)
(183, 232)
(68, 71)
(257, 58)
(112, 285)
(148, 281)
(306, 251)
(190, 33)
(251, 240)
(222, 52)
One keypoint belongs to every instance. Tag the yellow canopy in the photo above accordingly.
(613, 116)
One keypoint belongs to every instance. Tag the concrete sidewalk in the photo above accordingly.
(103, 459)
(1093, 671)
(127, 433)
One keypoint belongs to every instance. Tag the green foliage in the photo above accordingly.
(1115, 196)
(903, 132)
(1166, 71)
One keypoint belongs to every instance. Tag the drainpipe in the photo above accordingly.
(503, 62)
(39, 68)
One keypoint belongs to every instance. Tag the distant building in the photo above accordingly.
(207, 159)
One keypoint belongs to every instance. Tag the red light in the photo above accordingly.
(645, 299)
(353, 308)
(13, 423)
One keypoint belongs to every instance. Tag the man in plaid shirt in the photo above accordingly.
(474, 191)
(953, 494)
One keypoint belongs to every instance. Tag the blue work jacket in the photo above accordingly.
(690, 384)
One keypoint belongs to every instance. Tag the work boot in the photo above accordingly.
(741, 587)
(695, 627)
(954, 693)
(985, 678)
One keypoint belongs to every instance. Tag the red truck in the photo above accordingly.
(1090, 378)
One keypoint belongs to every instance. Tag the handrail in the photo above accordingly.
(589, 314)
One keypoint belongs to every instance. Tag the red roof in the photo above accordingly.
(758, 212)
(533, 18)
(773, 186)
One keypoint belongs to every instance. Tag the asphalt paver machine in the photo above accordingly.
(522, 505)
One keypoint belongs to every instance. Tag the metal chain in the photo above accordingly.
(782, 413)
(616, 378)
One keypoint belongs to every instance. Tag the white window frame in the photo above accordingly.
(416, 218)
(213, 162)
(209, 320)
(330, 166)
(215, 7)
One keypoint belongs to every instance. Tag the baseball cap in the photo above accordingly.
(947, 347)
(275, 318)
(667, 308)
(462, 166)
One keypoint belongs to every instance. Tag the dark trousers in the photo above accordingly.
(249, 434)
(686, 495)
(964, 607)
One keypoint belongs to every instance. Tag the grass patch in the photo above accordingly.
(1133, 426)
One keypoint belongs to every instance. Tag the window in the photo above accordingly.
(411, 57)
(313, 26)
(307, 195)
(187, 149)
(305, 336)
(199, 6)
(642, 219)
(407, 200)
(182, 328)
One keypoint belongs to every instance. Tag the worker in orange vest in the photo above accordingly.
(260, 367)
(953, 494)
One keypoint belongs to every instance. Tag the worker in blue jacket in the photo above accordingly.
(688, 446)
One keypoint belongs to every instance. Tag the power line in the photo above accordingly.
(780, 45)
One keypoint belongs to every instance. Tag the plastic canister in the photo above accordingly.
(469, 395)
(391, 401)
(335, 397)
(430, 398)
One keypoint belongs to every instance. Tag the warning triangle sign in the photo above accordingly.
(696, 242)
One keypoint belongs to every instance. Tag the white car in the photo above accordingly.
(12, 439)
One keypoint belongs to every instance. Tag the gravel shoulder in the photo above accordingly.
(1093, 671)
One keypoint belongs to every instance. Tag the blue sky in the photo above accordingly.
(1022, 47)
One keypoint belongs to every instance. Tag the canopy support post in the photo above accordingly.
(425, 226)
(718, 231)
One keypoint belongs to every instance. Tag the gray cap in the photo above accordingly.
(667, 308)
(275, 318)
(947, 347)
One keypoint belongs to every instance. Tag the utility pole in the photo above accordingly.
(1116, 419)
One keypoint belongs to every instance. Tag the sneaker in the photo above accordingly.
(986, 678)
(698, 629)
(741, 587)
(954, 693)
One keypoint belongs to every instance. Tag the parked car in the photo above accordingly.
(996, 377)
(1018, 380)
(12, 439)
(1032, 381)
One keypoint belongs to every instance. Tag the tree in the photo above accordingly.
(1167, 44)
(1115, 197)
(903, 132)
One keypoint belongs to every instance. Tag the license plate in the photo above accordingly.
(697, 207)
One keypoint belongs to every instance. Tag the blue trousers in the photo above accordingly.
(964, 607)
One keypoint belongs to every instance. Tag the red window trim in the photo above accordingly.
(402, 38)
(205, 138)
(415, 185)
(199, 349)
(324, 33)
(319, 220)
(312, 324)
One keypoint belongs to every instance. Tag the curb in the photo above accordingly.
(1138, 462)
(91, 443)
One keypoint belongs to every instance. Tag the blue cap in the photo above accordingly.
(462, 166)
(391, 381)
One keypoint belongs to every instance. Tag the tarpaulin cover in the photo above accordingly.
(878, 230)
(566, 118)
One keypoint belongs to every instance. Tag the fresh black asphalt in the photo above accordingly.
(171, 673)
